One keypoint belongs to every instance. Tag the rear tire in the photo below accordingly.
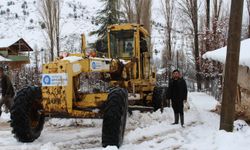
(26, 119)
(114, 118)
(159, 97)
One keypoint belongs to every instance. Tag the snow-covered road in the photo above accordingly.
(147, 131)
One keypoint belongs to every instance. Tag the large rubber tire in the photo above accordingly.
(26, 118)
(159, 96)
(114, 118)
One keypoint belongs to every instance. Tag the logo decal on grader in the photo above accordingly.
(93, 65)
(57, 79)
(46, 80)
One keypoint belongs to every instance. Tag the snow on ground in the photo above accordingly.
(220, 54)
(148, 131)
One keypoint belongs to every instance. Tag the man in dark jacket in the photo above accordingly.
(6, 89)
(177, 92)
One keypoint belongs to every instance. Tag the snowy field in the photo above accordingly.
(147, 131)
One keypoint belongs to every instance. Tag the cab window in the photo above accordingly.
(122, 44)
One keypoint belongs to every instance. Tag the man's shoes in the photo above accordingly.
(182, 119)
(174, 123)
(176, 118)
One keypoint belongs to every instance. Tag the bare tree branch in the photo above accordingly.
(138, 8)
(190, 8)
(129, 10)
(168, 12)
(146, 14)
(50, 14)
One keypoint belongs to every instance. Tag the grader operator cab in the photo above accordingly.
(78, 86)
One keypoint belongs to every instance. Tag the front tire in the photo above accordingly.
(26, 118)
(114, 118)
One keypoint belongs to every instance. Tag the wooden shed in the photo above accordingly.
(17, 50)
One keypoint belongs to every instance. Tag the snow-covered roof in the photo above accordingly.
(8, 42)
(161, 71)
(4, 59)
(220, 54)
(23, 47)
(72, 58)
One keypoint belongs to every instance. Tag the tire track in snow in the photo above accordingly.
(172, 131)
(4, 125)
(80, 143)
(82, 137)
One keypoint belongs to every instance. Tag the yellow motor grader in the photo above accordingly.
(81, 86)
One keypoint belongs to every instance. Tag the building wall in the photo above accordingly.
(243, 100)
(244, 77)
(3, 52)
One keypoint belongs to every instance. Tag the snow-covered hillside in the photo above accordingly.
(21, 18)
(148, 131)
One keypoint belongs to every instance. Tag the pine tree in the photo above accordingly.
(108, 16)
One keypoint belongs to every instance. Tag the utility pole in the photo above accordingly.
(231, 68)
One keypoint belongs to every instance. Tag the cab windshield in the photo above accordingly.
(122, 44)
